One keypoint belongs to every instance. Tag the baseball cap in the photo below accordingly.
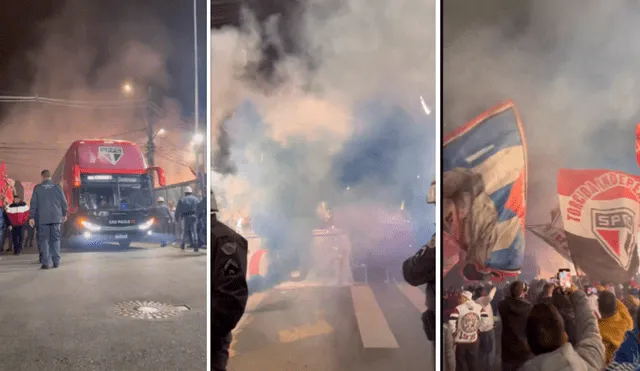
(467, 294)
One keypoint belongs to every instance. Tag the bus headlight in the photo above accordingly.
(146, 225)
(89, 226)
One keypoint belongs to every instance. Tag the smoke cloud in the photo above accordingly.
(85, 55)
(326, 110)
(569, 66)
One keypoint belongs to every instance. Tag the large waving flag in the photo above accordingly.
(601, 212)
(484, 192)
(638, 144)
(553, 234)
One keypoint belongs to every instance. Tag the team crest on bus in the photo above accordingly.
(615, 230)
(110, 154)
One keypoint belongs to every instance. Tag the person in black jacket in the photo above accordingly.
(514, 311)
(418, 270)
(229, 291)
(565, 307)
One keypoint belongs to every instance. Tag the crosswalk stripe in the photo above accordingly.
(303, 332)
(374, 329)
(414, 294)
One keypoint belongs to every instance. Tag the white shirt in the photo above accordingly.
(485, 303)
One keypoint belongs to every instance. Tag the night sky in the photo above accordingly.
(26, 24)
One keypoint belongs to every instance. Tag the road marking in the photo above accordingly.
(235, 332)
(253, 303)
(414, 294)
(374, 329)
(291, 285)
(304, 332)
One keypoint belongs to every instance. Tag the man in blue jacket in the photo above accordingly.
(187, 214)
(49, 208)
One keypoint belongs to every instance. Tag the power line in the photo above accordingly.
(21, 164)
(178, 162)
(126, 132)
(170, 143)
(161, 111)
(34, 148)
(36, 98)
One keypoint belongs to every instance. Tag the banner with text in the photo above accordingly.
(600, 212)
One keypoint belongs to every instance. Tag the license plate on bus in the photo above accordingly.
(121, 236)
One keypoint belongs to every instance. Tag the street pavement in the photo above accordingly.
(64, 318)
(359, 327)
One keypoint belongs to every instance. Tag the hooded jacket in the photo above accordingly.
(513, 315)
(466, 320)
(588, 355)
(612, 329)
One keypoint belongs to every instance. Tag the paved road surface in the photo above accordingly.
(63, 319)
(302, 327)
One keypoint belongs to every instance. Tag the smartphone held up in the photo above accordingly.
(564, 278)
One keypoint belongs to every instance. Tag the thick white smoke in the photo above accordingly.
(81, 58)
(363, 64)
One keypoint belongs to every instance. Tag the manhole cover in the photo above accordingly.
(148, 309)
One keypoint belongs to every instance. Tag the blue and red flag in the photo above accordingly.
(484, 192)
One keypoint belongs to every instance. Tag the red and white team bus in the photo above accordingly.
(109, 189)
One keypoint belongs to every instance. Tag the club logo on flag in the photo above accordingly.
(615, 230)
(110, 154)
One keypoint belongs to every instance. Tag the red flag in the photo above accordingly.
(600, 213)
(6, 193)
(638, 144)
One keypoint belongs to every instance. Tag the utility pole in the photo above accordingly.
(196, 125)
(151, 147)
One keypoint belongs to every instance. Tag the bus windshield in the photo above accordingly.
(115, 192)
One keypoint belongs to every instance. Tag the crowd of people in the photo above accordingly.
(542, 326)
(16, 234)
(184, 223)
